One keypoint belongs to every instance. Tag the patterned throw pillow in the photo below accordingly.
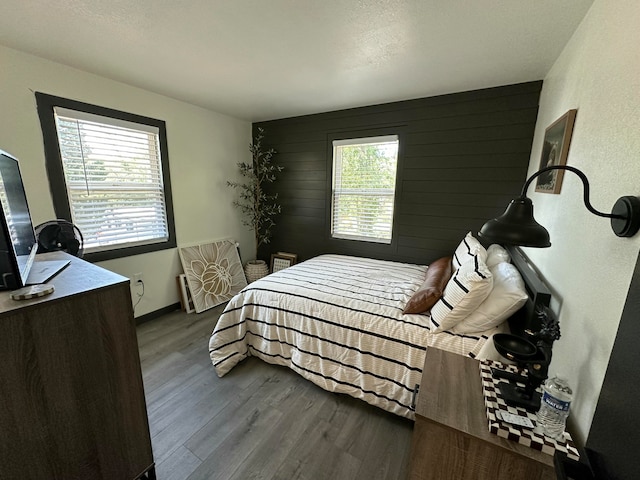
(469, 286)
(468, 248)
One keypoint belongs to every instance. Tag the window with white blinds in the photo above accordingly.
(364, 184)
(114, 179)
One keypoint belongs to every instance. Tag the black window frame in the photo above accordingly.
(55, 173)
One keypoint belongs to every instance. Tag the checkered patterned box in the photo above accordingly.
(522, 435)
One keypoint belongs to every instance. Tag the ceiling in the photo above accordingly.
(265, 59)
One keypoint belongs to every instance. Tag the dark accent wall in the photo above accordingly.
(462, 157)
(614, 438)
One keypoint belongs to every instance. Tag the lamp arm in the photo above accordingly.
(585, 183)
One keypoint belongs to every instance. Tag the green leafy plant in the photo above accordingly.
(258, 207)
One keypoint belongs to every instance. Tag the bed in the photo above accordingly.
(339, 322)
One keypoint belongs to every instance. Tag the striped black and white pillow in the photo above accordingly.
(466, 290)
(468, 248)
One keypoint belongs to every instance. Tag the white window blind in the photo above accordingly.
(364, 183)
(113, 174)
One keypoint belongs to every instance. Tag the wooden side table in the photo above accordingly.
(451, 439)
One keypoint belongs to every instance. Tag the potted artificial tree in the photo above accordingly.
(258, 208)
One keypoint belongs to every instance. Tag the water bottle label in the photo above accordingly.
(555, 403)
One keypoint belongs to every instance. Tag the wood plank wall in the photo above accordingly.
(462, 158)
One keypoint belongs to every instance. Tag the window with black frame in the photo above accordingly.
(109, 175)
(363, 188)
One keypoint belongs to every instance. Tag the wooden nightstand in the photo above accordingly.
(451, 439)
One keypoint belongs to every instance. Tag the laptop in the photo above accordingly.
(25, 262)
(44, 270)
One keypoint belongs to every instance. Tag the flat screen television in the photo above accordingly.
(18, 244)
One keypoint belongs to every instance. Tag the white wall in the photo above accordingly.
(589, 267)
(204, 148)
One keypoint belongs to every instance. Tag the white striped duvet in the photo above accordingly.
(337, 321)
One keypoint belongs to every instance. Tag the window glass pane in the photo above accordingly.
(113, 175)
(364, 182)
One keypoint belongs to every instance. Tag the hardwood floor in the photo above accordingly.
(259, 421)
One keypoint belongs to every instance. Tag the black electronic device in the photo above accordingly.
(532, 359)
(17, 237)
(533, 356)
(59, 235)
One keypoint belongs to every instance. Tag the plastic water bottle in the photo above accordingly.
(554, 407)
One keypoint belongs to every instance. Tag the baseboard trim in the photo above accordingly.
(157, 313)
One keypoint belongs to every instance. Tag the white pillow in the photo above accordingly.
(507, 297)
(497, 254)
(466, 290)
(468, 248)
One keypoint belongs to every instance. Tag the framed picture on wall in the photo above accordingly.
(282, 260)
(555, 150)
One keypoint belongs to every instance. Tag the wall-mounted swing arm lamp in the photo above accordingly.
(516, 226)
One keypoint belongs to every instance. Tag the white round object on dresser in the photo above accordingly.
(32, 291)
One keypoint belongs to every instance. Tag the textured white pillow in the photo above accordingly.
(497, 254)
(468, 248)
(466, 290)
(506, 298)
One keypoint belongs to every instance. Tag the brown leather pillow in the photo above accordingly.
(438, 275)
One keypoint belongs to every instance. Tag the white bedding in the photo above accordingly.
(338, 321)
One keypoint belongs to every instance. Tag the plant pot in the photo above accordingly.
(256, 269)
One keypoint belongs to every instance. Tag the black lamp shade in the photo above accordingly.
(516, 226)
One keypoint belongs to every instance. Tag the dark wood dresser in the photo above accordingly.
(72, 402)
(451, 438)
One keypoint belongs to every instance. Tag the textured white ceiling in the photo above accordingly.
(267, 59)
